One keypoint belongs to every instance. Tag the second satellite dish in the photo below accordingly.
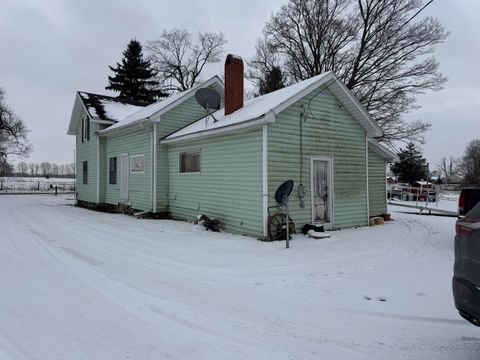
(209, 99)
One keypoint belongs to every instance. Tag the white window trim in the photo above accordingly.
(131, 164)
(85, 128)
(190, 151)
(109, 169)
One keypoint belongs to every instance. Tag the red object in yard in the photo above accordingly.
(386, 217)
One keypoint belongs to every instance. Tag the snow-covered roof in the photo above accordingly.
(382, 151)
(159, 107)
(262, 109)
(101, 108)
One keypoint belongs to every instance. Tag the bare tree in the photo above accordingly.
(54, 170)
(46, 168)
(376, 47)
(469, 167)
(22, 168)
(13, 133)
(448, 167)
(179, 61)
(31, 168)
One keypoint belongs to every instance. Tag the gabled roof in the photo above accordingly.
(382, 151)
(101, 108)
(259, 110)
(154, 111)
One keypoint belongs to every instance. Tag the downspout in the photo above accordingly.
(154, 168)
(98, 169)
(265, 179)
(366, 173)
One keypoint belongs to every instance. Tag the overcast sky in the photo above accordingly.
(52, 48)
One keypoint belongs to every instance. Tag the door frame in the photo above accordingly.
(330, 179)
(127, 178)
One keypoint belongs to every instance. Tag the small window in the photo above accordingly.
(112, 171)
(85, 172)
(137, 163)
(85, 128)
(189, 161)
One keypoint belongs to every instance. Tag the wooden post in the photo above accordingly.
(38, 185)
(56, 190)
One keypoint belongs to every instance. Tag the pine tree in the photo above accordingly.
(411, 165)
(272, 81)
(134, 77)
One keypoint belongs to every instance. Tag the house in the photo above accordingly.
(173, 158)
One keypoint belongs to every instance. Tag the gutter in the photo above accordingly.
(267, 118)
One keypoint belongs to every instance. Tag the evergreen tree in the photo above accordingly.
(134, 77)
(272, 81)
(411, 166)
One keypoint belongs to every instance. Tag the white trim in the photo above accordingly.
(103, 122)
(366, 174)
(330, 179)
(154, 169)
(383, 151)
(190, 151)
(265, 178)
(98, 170)
(243, 125)
(131, 164)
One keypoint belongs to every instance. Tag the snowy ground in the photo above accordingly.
(33, 184)
(78, 284)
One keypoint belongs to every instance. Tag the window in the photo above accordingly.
(137, 163)
(85, 128)
(85, 172)
(189, 161)
(112, 171)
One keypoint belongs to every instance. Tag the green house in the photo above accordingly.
(174, 157)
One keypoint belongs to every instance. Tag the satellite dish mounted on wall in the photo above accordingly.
(209, 99)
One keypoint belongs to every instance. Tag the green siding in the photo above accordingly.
(133, 142)
(86, 151)
(180, 116)
(229, 186)
(329, 130)
(377, 184)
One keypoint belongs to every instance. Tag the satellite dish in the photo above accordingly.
(208, 98)
(283, 191)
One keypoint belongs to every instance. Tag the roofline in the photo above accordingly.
(79, 98)
(330, 75)
(212, 80)
(387, 154)
(262, 120)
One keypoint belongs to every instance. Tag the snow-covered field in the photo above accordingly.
(78, 284)
(33, 184)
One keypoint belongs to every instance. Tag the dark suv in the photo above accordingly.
(466, 279)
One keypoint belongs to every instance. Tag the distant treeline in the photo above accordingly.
(44, 169)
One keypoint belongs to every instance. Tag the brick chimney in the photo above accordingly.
(233, 83)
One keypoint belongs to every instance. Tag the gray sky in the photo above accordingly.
(50, 49)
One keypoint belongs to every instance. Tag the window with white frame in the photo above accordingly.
(112, 171)
(189, 161)
(86, 128)
(137, 163)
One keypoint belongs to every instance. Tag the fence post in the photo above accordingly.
(55, 190)
(38, 185)
(1, 185)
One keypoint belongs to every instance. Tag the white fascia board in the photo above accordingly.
(382, 151)
(265, 119)
(103, 122)
(298, 96)
(143, 123)
(376, 129)
(77, 105)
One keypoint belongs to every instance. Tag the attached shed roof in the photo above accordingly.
(382, 151)
(262, 109)
(154, 111)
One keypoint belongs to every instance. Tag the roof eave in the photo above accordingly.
(383, 151)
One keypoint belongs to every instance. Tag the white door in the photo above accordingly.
(124, 173)
(321, 179)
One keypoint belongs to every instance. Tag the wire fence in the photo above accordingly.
(9, 185)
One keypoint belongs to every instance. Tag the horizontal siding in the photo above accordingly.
(377, 184)
(135, 142)
(329, 130)
(86, 151)
(229, 186)
(182, 115)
